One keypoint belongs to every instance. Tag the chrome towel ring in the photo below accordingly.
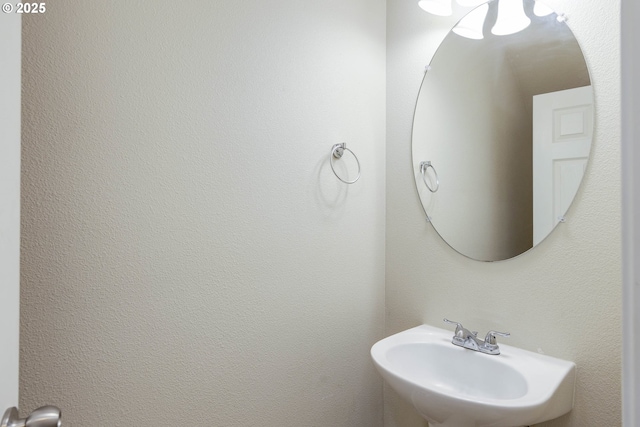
(336, 153)
(423, 171)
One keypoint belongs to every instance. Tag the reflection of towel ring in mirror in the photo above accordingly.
(423, 171)
(336, 152)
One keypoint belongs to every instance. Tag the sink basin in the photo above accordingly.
(456, 387)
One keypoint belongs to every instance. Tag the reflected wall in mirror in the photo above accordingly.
(506, 122)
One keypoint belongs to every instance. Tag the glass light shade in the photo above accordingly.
(471, 25)
(511, 18)
(470, 3)
(541, 9)
(437, 7)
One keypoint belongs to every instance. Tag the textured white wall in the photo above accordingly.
(562, 297)
(188, 256)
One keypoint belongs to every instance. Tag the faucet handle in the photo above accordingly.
(491, 336)
(459, 327)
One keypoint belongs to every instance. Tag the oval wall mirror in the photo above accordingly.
(502, 131)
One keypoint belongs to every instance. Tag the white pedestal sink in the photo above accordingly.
(455, 387)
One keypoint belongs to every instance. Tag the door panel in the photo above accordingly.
(562, 133)
(10, 55)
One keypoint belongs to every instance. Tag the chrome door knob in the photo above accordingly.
(46, 416)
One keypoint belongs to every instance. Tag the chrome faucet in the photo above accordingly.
(468, 339)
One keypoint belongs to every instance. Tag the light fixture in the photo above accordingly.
(511, 18)
(470, 3)
(541, 9)
(436, 7)
(471, 25)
